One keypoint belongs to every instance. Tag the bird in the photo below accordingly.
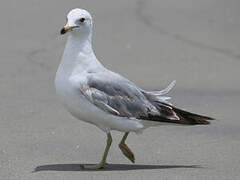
(99, 96)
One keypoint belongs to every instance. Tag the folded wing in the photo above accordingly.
(120, 97)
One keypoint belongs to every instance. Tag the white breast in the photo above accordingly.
(76, 58)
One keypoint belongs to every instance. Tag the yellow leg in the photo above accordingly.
(103, 161)
(125, 149)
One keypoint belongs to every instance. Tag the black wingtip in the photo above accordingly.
(192, 118)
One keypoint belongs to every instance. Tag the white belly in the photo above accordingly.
(84, 110)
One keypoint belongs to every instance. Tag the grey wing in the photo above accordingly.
(123, 98)
(118, 97)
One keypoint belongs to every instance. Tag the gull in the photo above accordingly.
(94, 94)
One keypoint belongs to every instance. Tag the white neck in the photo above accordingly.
(77, 43)
(78, 54)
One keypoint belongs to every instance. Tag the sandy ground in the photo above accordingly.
(195, 42)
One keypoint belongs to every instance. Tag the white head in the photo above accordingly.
(79, 21)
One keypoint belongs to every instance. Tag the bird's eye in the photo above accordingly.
(82, 19)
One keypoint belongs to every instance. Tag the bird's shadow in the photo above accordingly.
(108, 167)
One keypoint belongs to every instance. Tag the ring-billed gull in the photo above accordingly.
(104, 98)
